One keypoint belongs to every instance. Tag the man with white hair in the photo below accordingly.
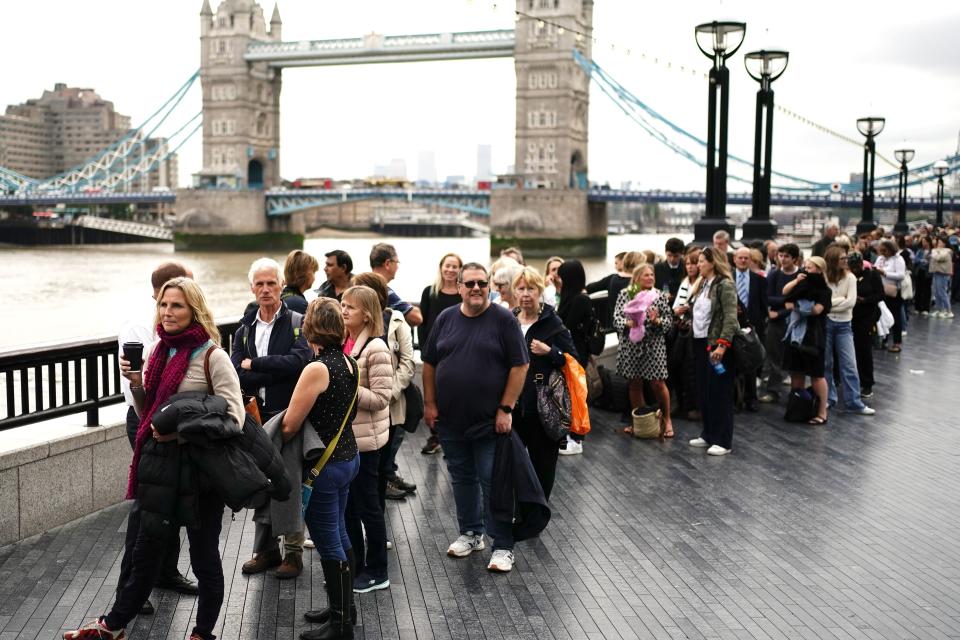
(721, 242)
(269, 353)
(830, 232)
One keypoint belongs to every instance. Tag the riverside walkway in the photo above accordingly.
(851, 530)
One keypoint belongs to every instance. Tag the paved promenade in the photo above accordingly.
(851, 530)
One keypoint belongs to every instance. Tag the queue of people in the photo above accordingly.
(333, 366)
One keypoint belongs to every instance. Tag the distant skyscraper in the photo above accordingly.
(426, 167)
(484, 162)
(397, 169)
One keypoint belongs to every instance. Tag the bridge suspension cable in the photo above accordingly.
(642, 114)
(111, 167)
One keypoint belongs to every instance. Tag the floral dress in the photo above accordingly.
(646, 359)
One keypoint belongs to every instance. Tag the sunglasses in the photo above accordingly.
(470, 284)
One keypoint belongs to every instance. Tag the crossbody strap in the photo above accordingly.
(333, 443)
(206, 369)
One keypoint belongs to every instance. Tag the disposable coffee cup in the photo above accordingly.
(133, 352)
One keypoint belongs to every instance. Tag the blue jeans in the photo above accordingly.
(470, 463)
(840, 338)
(941, 291)
(325, 513)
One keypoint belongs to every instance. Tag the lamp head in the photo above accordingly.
(871, 126)
(903, 156)
(722, 39)
(940, 168)
(766, 65)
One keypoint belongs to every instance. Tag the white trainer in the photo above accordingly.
(699, 442)
(465, 545)
(573, 447)
(867, 411)
(717, 450)
(501, 561)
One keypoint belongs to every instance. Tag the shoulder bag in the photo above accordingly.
(306, 489)
(553, 399)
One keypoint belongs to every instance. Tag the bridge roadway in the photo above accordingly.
(846, 531)
(283, 201)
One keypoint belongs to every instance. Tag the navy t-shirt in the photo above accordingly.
(473, 358)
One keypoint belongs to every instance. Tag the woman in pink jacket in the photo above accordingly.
(363, 320)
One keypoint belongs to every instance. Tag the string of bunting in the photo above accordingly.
(684, 69)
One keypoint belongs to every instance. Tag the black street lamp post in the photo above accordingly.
(764, 67)
(724, 40)
(940, 169)
(903, 156)
(870, 128)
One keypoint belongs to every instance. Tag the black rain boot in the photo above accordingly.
(323, 615)
(340, 591)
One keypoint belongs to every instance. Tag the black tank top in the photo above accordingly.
(331, 405)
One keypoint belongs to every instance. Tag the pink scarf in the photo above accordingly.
(161, 380)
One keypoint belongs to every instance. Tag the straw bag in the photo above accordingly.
(646, 422)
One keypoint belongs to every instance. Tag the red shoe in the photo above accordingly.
(94, 630)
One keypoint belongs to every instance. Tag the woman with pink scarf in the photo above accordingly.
(175, 363)
(643, 317)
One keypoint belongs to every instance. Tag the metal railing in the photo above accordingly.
(46, 382)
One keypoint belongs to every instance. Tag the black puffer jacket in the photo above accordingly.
(549, 329)
(244, 471)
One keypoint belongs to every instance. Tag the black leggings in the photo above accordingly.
(894, 303)
(716, 396)
(204, 556)
(543, 451)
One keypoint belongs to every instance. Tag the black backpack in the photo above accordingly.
(802, 405)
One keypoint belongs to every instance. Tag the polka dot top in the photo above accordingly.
(331, 405)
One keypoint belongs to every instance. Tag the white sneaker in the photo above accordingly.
(573, 447)
(389, 545)
(699, 442)
(924, 313)
(717, 450)
(866, 411)
(948, 314)
(501, 561)
(465, 545)
(308, 544)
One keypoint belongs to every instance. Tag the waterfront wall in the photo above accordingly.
(49, 484)
(229, 220)
(547, 222)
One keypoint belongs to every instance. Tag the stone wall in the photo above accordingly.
(545, 222)
(221, 211)
(50, 484)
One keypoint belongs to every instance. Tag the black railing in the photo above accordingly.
(46, 382)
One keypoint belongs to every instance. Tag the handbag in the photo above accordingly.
(802, 405)
(748, 352)
(646, 422)
(594, 381)
(306, 489)
(906, 287)
(252, 407)
(414, 403)
(553, 404)
(890, 289)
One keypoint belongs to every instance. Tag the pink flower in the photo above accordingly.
(636, 310)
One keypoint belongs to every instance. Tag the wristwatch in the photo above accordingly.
(506, 409)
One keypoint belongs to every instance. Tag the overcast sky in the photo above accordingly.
(847, 60)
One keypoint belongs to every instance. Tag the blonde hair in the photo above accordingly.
(323, 323)
(550, 260)
(635, 276)
(632, 260)
(438, 283)
(530, 277)
(367, 301)
(197, 302)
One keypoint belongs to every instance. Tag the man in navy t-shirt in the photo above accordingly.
(474, 366)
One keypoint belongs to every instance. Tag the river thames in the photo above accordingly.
(55, 294)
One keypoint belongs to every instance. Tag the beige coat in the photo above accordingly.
(400, 341)
(371, 427)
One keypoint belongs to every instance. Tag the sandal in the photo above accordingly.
(817, 421)
(628, 431)
(894, 349)
(665, 433)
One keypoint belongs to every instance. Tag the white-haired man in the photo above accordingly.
(269, 353)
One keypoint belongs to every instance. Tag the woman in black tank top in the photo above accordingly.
(325, 393)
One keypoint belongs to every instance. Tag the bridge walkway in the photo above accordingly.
(845, 531)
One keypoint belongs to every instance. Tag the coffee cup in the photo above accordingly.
(133, 352)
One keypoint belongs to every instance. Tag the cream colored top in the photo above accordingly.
(843, 298)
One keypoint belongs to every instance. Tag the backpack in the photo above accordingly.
(296, 320)
(802, 405)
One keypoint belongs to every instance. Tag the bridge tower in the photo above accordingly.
(549, 213)
(241, 100)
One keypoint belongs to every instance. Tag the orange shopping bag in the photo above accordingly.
(576, 379)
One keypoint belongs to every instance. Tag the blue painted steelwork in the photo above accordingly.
(51, 198)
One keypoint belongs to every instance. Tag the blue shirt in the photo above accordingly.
(394, 302)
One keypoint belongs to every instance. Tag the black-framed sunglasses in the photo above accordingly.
(470, 284)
